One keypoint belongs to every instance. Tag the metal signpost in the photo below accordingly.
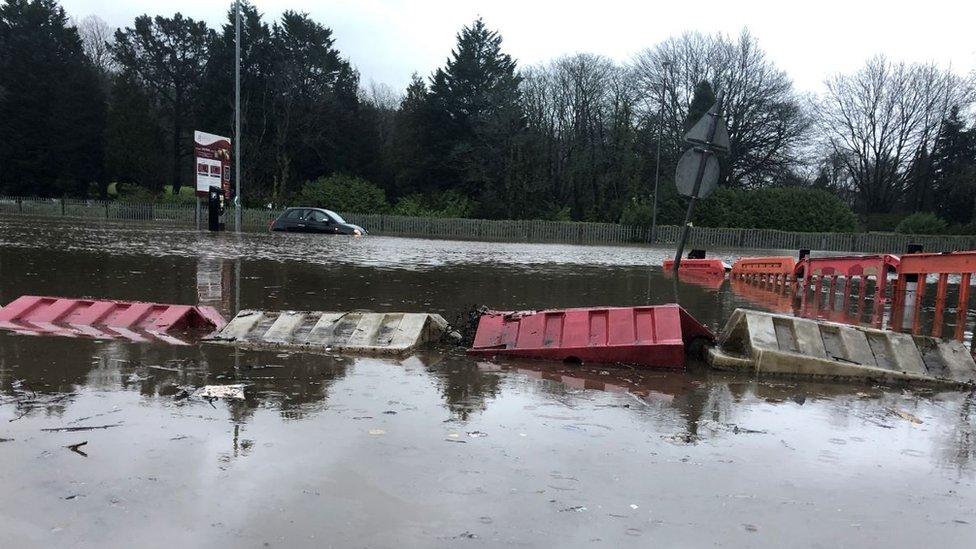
(698, 169)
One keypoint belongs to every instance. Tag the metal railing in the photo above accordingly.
(569, 232)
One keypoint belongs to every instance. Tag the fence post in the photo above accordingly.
(62, 207)
(106, 209)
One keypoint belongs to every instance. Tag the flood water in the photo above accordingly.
(437, 450)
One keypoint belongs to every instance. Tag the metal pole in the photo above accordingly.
(657, 162)
(691, 211)
(237, 115)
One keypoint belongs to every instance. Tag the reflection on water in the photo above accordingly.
(429, 450)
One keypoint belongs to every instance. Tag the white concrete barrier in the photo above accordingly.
(316, 331)
(767, 343)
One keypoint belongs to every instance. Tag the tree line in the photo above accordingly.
(83, 106)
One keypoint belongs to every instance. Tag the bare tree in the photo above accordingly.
(380, 95)
(96, 40)
(765, 116)
(581, 107)
(883, 119)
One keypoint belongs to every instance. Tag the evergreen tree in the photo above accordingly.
(257, 95)
(701, 101)
(475, 115)
(918, 183)
(953, 170)
(135, 152)
(315, 105)
(52, 110)
(411, 140)
(168, 57)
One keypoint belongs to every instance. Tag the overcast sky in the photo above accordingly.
(387, 40)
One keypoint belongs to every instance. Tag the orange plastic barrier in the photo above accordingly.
(764, 296)
(704, 267)
(707, 280)
(861, 267)
(777, 269)
(962, 264)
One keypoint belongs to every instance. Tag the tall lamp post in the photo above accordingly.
(657, 163)
(237, 116)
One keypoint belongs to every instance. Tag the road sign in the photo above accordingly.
(700, 134)
(698, 169)
(687, 172)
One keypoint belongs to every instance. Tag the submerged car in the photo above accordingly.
(314, 220)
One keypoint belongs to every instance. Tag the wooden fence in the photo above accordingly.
(568, 232)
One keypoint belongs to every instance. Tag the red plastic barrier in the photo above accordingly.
(962, 264)
(777, 269)
(704, 267)
(653, 336)
(136, 321)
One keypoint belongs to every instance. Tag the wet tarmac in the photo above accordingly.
(437, 450)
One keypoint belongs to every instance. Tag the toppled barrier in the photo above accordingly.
(315, 331)
(767, 343)
(106, 319)
(654, 336)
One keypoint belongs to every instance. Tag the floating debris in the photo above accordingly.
(220, 391)
(76, 448)
(681, 438)
(76, 429)
(906, 416)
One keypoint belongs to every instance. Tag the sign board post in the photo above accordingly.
(698, 169)
(211, 164)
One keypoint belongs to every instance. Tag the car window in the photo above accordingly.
(336, 217)
(294, 214)
(320, 217)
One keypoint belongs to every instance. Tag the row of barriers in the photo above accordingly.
(896, 286)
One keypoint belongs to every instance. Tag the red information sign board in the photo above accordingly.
(212, 163)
